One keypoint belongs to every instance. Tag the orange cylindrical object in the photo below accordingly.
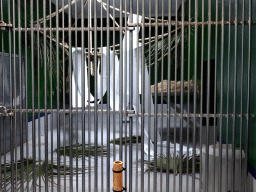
(117, 177)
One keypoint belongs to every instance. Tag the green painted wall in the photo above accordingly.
(39, 88)
(227, 128)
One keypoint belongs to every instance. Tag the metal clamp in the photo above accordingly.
(119, 171)
(4, 26)
(130, 28)
(120, 191)
(130, 113)
(5, 112)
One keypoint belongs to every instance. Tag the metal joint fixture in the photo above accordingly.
(130, 28)
(119, 171)
(4, 26)
(121, 190)
(5, 112)
(130, 113)
(92, 55)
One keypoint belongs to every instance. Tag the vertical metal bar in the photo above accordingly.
(76, 94)
(188, 98)
(221, 95)
(14, 96)
(175, 92)
(208, 97)
(108, 99)
(149, 103)
(38, 91)
(248, 91)
(20, 101)
(142, 93)
(11, 96)
(121, 81)
(33, 93)
(45, 99)
(95, 100)
(137, 104)
(162, 97)
(64, 116)
(26, 91)
(125, 91)
(182, 92)
(201, 99)
(89, 90)
(234, 102)
(3, 143)
(26, 87)
(51, 96)
(58, 98)
(168, 95)
(195, 97)
(228, 83)
(101, 91)
(83, 95)
(215, 89)
(70, 97)
(156, 90)
(243, 176)
(130, 94)
(113, 83)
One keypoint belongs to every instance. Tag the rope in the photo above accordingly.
(114, 8)
(153, 38)
(104, 6)
(65, 45)
(77, 17)
(48, 17)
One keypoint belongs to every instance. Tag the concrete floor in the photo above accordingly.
(102, 174)
(96, 169)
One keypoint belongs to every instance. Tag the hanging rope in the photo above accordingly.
(48, 17)
(78, 16)
(114, 8)
(104, 5)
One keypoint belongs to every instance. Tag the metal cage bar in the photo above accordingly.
(166, 87)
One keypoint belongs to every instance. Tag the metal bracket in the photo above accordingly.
(4, 26)
(130, 113)
(130, 28)
(91, 56)
(121, 190)
(119, 171)
(5, 112)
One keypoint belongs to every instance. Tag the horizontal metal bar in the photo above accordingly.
(4, 26)
(180, 23)
(131, 114)
(5, 112)
(72, 29)
(129, 25)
